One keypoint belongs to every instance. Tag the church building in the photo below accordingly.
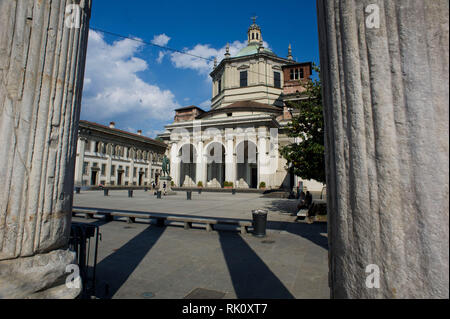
(237, 142)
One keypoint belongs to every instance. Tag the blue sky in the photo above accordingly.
(138, 86)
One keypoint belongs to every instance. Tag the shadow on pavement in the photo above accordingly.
(251, 278)
(115, 269)
(312, 232)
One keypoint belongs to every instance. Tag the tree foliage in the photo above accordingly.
(307, 157)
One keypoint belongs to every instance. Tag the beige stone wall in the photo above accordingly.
(260, 82)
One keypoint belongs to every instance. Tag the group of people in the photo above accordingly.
(164, 187)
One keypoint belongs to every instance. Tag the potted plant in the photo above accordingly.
(262, 185)
(172, 183)
(228, 185)
(200, 184)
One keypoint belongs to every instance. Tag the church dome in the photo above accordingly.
(251, 49)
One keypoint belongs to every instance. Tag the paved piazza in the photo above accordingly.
(144, 261)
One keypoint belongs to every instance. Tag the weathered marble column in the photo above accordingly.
(230, 162)
(79, 165)
(174, 164)
(385, 82)
(41, 77)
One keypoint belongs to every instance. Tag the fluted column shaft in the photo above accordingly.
(42, 64)
(385, 82)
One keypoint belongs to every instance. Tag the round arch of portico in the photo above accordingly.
(247, 165)
(187, 169)
(214, 170)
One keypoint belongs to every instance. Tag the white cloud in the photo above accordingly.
(205, 104)
(205, 51)
(153, 133)
(161, 57)
(161, 39)
(113, 88)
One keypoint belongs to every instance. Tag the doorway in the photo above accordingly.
(94, 178)
(254, 178)
(119, 178)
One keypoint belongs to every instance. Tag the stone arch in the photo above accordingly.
(215, 159)
(188, 158)
(247, 164)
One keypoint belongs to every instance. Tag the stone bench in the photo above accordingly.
(161, 219)
(210, 222)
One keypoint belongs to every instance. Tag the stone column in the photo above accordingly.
(41, 78)
(174, 164)
(150, 167)
(131, 177)
(230, 162)
(108, 164)
(385, 86)
(80, 163)
(200, 163)
(263, 161)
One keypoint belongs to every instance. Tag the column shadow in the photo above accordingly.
(251, 277)
(312, 232)
(114, 270)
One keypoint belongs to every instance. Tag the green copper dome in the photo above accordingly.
(251, 49)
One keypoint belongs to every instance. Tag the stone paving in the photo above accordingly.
(144, 261)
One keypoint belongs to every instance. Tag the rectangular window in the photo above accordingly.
(113, 170)
(302, 74)
(277, 80)
(296, 74)
(85, 168)
(134, 172)
(243, 76)
(127, 171)
(292, 74)
(146, 172)
(219, 86)
(103, 169)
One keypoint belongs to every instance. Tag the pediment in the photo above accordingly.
(243, 67)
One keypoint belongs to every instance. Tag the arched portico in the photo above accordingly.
(246, 165)
(215, 171)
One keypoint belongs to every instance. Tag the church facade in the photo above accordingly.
(236, 143)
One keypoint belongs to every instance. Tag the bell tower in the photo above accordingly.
(254, 33)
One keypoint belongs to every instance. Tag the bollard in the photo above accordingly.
(105, 192)
(130, 193)
(233, 191)
(77, 190)
(189, 195)
(158, 194)
(259, 223)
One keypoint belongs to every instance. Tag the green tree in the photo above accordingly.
(308, 156)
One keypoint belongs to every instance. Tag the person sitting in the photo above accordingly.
(308, 199)
(301, 201)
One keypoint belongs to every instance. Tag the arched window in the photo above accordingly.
(257, 36)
